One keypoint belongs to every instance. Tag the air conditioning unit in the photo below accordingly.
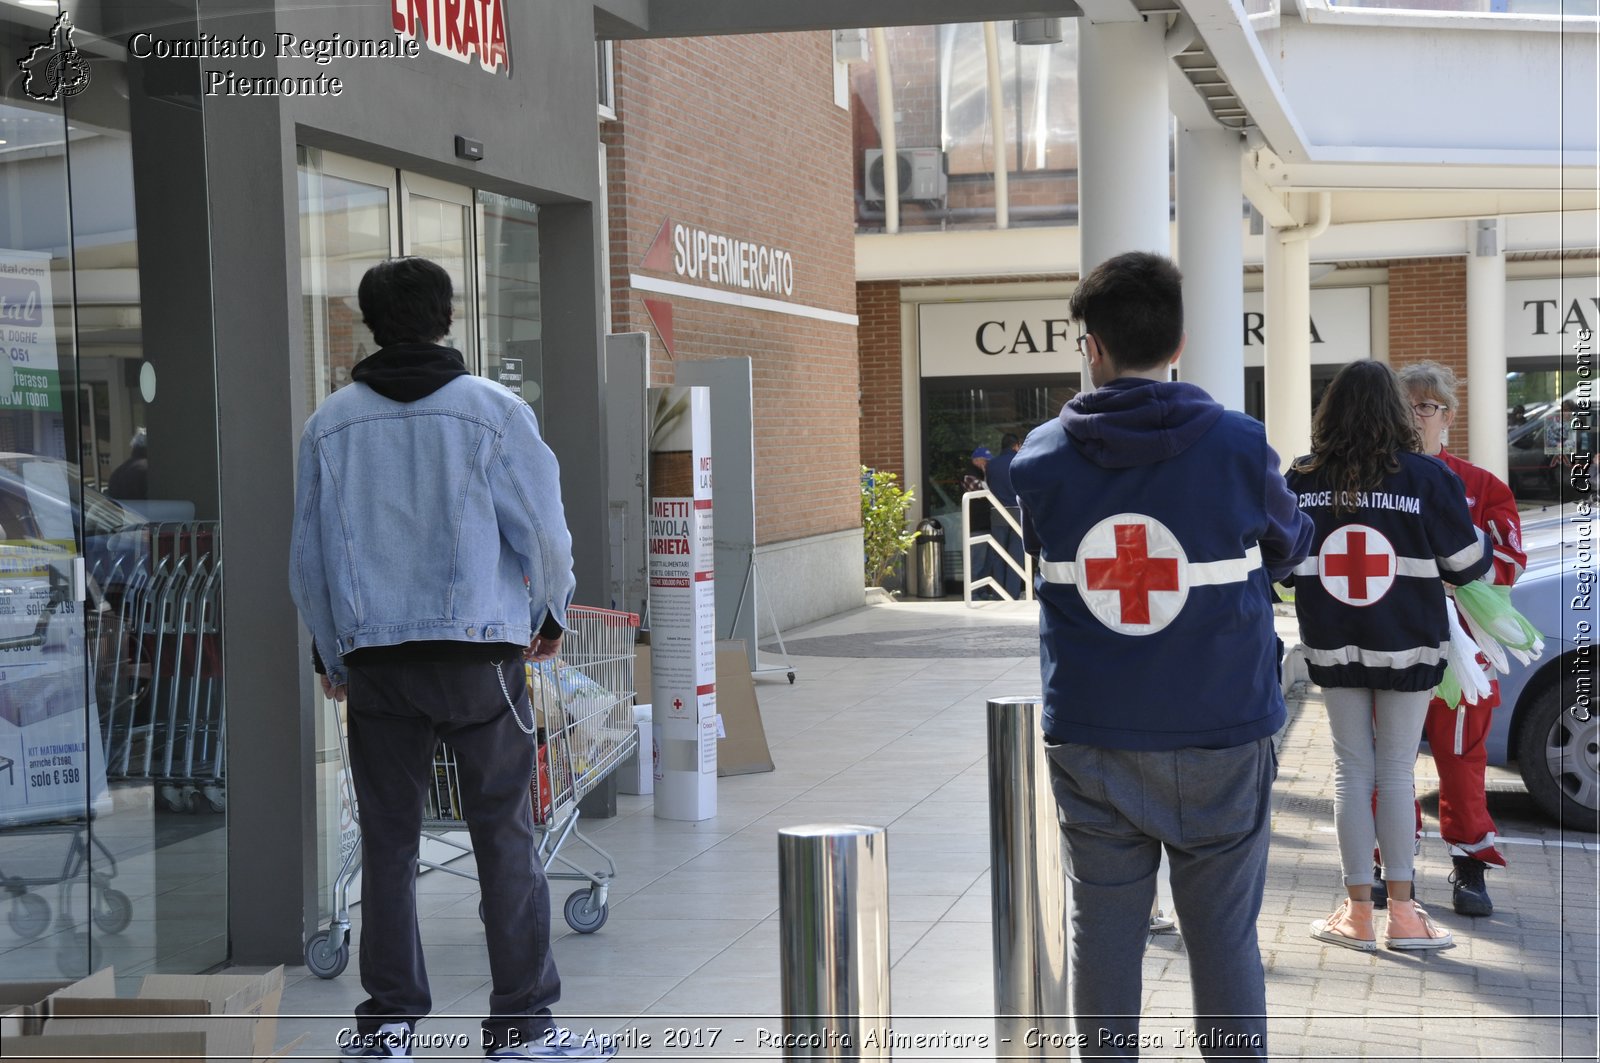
(922, 175)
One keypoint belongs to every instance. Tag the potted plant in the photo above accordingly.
(883, 524)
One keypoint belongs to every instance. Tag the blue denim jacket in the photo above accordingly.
(438, 519)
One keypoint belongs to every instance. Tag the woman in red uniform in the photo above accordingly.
(1457, 737)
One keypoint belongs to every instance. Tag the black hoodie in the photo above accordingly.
(406, 372)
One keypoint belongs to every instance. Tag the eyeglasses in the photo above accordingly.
(1427, 409)
(1082, 336)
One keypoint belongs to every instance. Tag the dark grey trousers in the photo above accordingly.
(398, 714)
(1211, 810)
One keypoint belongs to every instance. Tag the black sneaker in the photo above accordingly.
(391, 1041)
(1380, 889)
(1468, 893)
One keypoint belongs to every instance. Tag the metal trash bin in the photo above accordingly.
(927, 557)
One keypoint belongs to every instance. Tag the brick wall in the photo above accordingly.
(882, 383)
(740, 136)
(1428, 320)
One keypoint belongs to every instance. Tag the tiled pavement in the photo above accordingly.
(692, 940)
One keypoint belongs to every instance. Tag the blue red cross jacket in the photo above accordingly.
(1160, 519)
(1369, 598)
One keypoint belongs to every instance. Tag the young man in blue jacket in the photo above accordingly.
(430, 557)
(1160, 520)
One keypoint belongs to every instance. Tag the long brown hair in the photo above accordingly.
(1361, 426)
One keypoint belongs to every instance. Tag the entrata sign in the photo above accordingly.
(715, 258)
(460, 29)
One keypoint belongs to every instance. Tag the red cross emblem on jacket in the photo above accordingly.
(1133, 573)
(1357, 564)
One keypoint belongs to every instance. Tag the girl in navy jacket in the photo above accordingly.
(1392, 526)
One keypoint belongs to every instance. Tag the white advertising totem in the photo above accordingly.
(683, 645)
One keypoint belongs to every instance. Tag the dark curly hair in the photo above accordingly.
(1361, 426)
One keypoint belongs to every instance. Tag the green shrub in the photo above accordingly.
(883, 522)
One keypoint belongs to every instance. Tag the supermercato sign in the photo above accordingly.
(461, 29)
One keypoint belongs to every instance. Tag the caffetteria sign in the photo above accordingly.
(461, 29)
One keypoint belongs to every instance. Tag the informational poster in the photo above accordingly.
(683, 646)
(509, 374)
(52, 762)
(30, 375)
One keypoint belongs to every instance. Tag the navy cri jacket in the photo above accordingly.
(1369, 598)
(1161, 520)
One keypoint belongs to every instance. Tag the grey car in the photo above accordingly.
(1548, 723)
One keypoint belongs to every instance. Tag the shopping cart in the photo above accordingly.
(164, 721)
(583, 726)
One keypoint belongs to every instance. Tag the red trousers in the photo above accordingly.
(1464, 821)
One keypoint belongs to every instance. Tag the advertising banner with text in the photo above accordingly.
(682, 594)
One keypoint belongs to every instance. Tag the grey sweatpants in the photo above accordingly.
(1375, 737)
(1210, 810)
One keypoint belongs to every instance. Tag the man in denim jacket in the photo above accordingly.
(430, 557)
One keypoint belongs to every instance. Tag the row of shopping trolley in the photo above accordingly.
(157, 659)
(582, 705)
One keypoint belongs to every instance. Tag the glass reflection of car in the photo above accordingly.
(1548, 723)
(1531, 471)
(45, 512)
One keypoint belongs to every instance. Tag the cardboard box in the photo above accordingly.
(24, 1005)
(743, 748)
(174, 1017)
(637, 774)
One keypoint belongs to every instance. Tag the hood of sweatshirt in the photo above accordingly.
(1132, 421)
(406, 372)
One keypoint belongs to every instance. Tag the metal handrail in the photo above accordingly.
(968, 541)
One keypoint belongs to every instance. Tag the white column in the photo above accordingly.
(1288, 355)
(1211, 255)
(1001, 156)
(1124, 126)
(1486, 347)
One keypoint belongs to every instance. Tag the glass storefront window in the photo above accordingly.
(113, 778)
(509, 287)
(943, 128)
(1540, 441)
(346, 227)
(961, 414)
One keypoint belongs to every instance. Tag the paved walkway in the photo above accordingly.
(879, 734)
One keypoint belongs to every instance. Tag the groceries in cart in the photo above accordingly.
(582, 705)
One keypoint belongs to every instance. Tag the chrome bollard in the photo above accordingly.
(1028, 888)
(833, 905)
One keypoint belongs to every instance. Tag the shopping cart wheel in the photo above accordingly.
(583, 914)
(791, 679)
(30, 915)
(324, 958)
(113, 911)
